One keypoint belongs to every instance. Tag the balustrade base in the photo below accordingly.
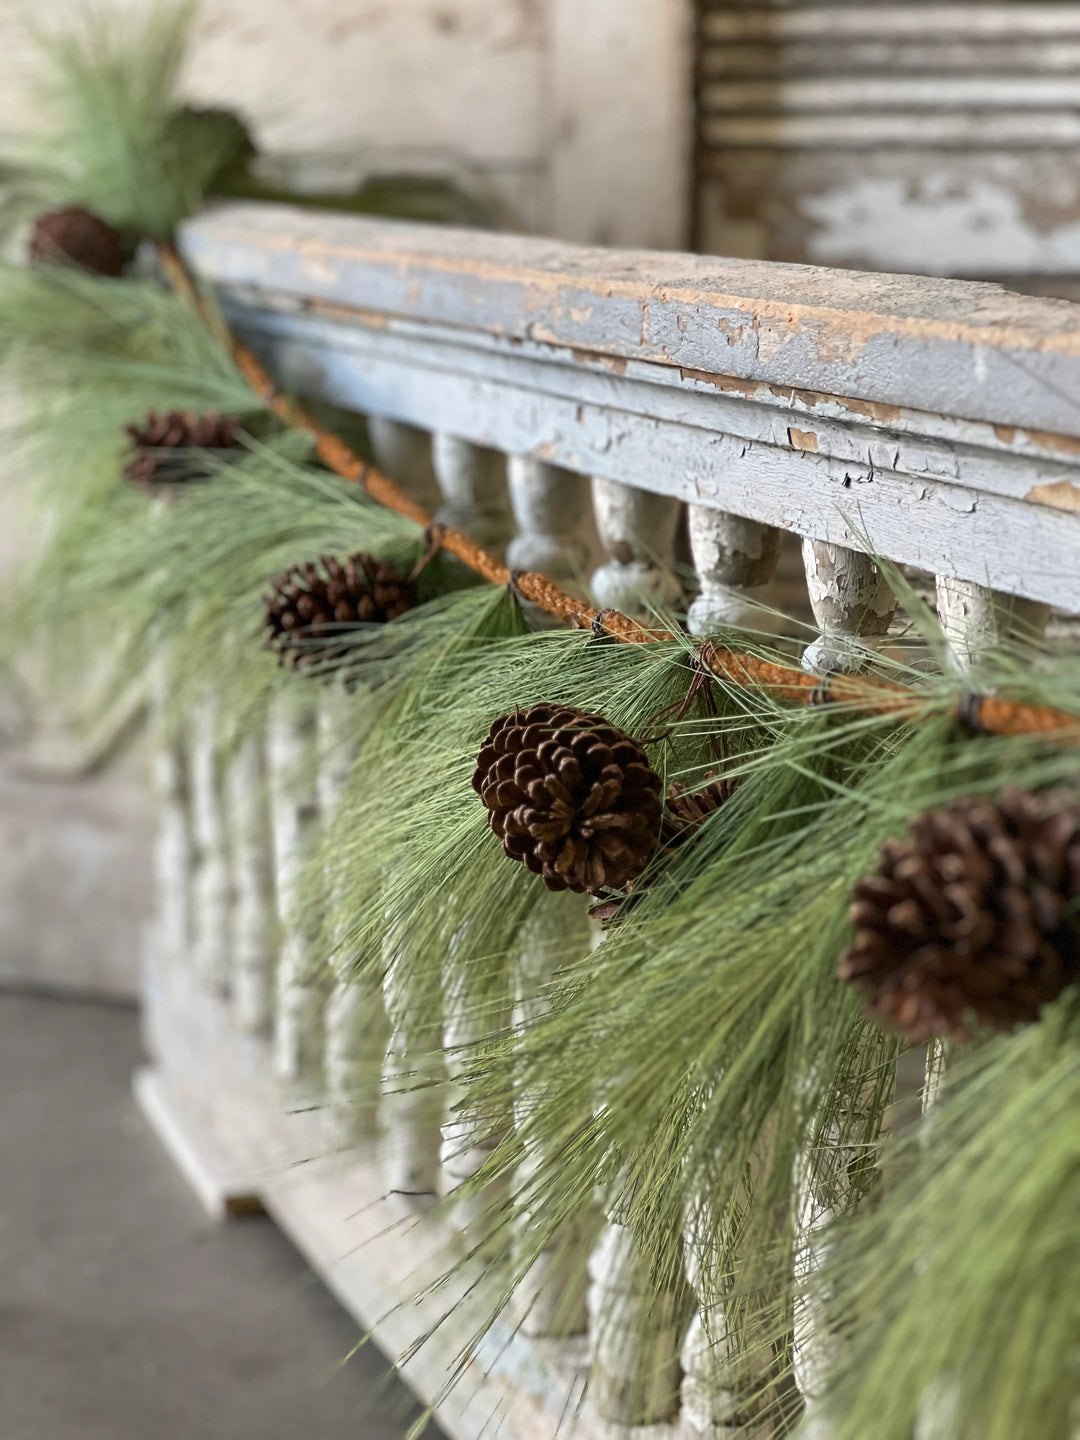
(245, 1141)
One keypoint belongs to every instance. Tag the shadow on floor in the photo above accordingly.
(124, 1313)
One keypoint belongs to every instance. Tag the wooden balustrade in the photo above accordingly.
(926, 423)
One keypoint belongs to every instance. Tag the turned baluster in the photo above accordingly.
(404, 453)
(476, 1000)
(251, 862)
(852, 603)
(635, 1333)
(636, 1328)
(975, 620)
(414, 1075)
(211, 885)
(731, 556)
(550, 513)
(637, 531)
(472, 482)
(291, 763)
(551, 1299)
(356, 1026)
(854, 606)
(173, 848)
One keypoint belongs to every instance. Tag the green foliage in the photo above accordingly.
(955, 1293)
(109, 136)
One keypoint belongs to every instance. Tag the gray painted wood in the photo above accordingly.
(962, 348)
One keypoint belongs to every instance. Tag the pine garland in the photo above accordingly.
(706, 1059)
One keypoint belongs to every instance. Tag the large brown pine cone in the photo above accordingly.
(970, 917)
(79, 237)
(162, 446)
(310, 604)
(571, 797)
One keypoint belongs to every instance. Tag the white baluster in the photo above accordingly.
(854, 606)
(635, 1334)
(731, 556)
(827, 1183)
(253, 924)
(852, 602)
(976, 619)
(472, 481)
(414, 1078)
(173, 849)
(635, 1328)
(404, 453)
(291, 762)
(551, 1299)
(356, 1025)
(549, 506)
(637, 530)
(476, 1005)
(211, 885)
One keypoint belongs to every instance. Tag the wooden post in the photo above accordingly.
(637, 529)
(852, 603)
(635, 1334)
(551, 1300)
(549, 508)
(356, 1025)
(854, 607)
(252, 924)
(291, 760)
(404, 452)
(976, 619)
(472, 481)
(211, 885)
(635, 1329)
(173, 848)
(731, 556)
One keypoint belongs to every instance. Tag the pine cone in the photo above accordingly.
(77, 236)
(687, 808)
(162, 446)
(571, 797)
(311, 603)
(968, 917)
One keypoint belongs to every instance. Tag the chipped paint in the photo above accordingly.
(617, 364)
(803, 439)
(1064, 495)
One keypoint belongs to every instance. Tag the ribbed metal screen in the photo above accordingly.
(942, 138)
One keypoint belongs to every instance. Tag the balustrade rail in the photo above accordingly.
(565, 404)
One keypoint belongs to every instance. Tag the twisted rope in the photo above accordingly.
(987, 714)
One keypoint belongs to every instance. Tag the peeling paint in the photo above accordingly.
(617, 364)
(1064, 495)
(803, 439)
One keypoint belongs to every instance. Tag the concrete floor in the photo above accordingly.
(124, 1314)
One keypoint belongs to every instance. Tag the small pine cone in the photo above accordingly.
(78, 237)
(571, 797)
(970, 917)
(161, 446)
(311, 603)
(686, 808)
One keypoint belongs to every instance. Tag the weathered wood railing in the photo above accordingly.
(936, 423)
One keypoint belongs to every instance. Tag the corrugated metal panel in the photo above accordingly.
(910, 136)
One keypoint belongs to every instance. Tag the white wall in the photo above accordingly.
(575, 111)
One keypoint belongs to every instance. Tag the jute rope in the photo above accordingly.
(988, 714)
